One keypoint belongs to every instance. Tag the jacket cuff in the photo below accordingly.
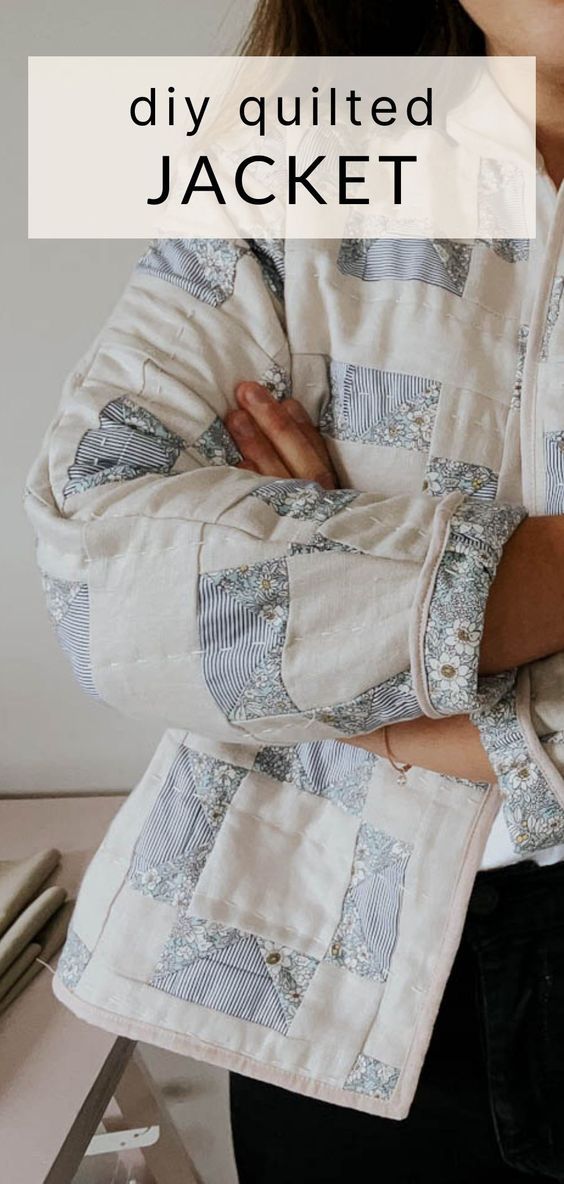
(531, 785)
(448, 620)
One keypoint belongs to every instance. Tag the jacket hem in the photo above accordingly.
(212, 1054)
(398, 1106)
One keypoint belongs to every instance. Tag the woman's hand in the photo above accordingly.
(278, 439)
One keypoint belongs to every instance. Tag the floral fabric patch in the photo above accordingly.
(522, 341)
(366, 935)
(380, 407)
(513, 250)
(261, 587)
(217, 446)
(278, 380)
(534, 818)
(59, 595)
(234, 972)
(73, 960)
(444, 475)
(554, 306)
(205, 268)
(371, 1076)
(320, 543)
(328, 768)
(173, 881)
(477, 535)
(266, 694)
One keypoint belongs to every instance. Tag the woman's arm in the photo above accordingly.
(524, 617)
(449, 746)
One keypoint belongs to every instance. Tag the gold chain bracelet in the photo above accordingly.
(401, 770)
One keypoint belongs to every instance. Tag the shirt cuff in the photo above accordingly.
(448, 619)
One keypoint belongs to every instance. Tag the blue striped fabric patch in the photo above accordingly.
(235, 641)
(389, 702)
(242, 616)
(270, 256)
(205, 268)
(177, 822)
(329, 765)
(235, 983)
(376, 900)
(130, 442)
(328, 768)
(444, 263)
(380, 406)
(68, 603)
(182, 825)
(554, 468)
(73, 632)
(234, 972)
(299, 498)
(366, 935)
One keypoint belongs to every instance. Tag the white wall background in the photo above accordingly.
(55, 296)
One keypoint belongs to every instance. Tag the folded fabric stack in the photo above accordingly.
(33, 922)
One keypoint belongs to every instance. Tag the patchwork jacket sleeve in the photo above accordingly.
(242, 607)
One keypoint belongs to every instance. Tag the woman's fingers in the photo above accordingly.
(289, 436)
(301, 417)
(258, 453)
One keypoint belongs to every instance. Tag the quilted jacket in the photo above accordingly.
(269, 898)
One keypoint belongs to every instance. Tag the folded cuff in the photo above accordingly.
(451, 604)
(531, 785)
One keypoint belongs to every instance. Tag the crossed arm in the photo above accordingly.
(525, 613)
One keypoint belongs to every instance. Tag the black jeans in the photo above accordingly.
(489, 1104)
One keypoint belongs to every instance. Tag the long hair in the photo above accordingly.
(358, 27)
